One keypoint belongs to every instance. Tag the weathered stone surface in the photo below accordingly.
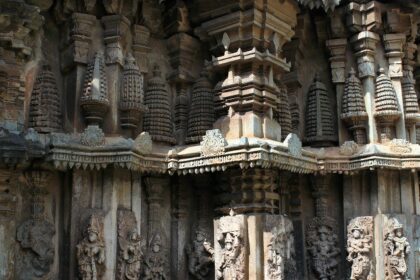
(163, 139)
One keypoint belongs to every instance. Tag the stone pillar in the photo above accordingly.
(115, 30)
(250, 233)
(337, 48)
(394, 47)
(140, 47)
(8, 204)
(180, 228)
(364, 44)
(322, 234)
(74, 57)
(158, 233)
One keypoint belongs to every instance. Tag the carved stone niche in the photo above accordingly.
(396, 249)
(231, 247)
(90, 251)
(279, 248)
(360, 248)
(130, 251)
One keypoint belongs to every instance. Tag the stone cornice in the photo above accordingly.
(65, 152)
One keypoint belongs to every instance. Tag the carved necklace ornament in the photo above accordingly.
(396, 249)
(91, 251)
(359, 248)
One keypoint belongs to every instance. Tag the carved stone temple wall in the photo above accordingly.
(210, 139)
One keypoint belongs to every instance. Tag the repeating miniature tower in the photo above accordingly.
(132, 94)
(158, 121)
(201, 116)
(284, 113)
(45, 108)
(353, 111)
(386, 105)
(94, 100)
(411, 107)
(319, 122)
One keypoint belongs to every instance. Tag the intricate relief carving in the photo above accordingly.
(230, 248)
(386, 104)
(319, 128)
(91, 249)
(348, 148)
(201, 116)
(156, 266)
(200, 256)
(322, 245)
(92, 136)
(132, 94)
(157, 120)
(45, 107)
(294, 144)
(396, 249)
(94, 99)
(399, 146)
(359, 248)
(36, 239)
(35, 235)
(325, 4)
(213, 143)
(353, 111)
(280, 252)
(143, 143)
(130, 256)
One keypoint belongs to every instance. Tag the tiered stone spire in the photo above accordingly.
(45, 107)
(411, 107)
(132, 94)
(157, 120)
(386, 104)
(201, 116)
(284, 113)
(353, 111)
(94, 100)
(319, 129)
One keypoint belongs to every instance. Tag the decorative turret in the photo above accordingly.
(353, 111)
(284, 113)
(201, 116)
(132, 94)
(386, 104)
(45, 112)
(157, 120)
(94, 100)
(411, 107)
(319, 124)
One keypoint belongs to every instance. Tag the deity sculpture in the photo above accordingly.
(155, 264)
(200, 256)
(359, 247)
(229, 269)
(91, 251)
(280, 263)
(323, 249)
(396, 249)
(132, 256)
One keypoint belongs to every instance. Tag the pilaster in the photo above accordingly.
(394, 52)
(337, 48)
(115, 30)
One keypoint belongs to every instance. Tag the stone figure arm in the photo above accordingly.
(407, 248)
(208, 248)
(101, 255)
